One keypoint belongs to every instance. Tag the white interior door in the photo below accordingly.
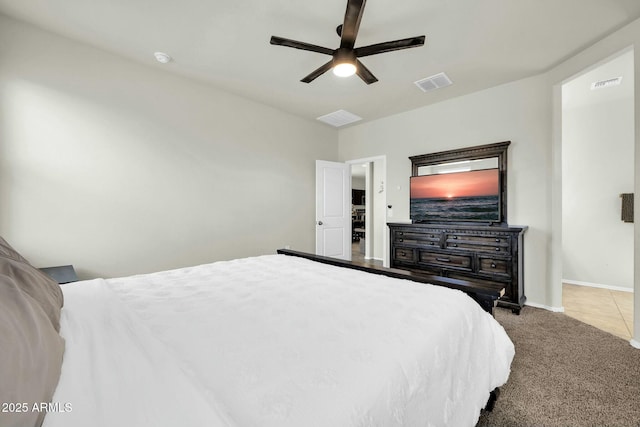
(333, 209)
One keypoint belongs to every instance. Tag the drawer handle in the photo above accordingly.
(443, 259)
(497, 240)
(455, 245)
(403, 253)
(455, 237)
(497, 249)
(493, 265)
(431, 243)
(400, 233)
(400, 240)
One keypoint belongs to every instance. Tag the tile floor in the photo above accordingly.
(611, 311)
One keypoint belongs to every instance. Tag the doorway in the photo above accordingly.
(360, 186)
(369, 232)
(597, 169)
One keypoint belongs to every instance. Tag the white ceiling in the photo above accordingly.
(478, 43)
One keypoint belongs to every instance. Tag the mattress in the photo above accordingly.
(274, 341)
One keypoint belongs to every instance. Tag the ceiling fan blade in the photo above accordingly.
(364, 73)
(281, 41)
(374, 49)
(352, 18)
(318, 72)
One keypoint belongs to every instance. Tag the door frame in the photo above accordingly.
(381, 222)
(554, 287)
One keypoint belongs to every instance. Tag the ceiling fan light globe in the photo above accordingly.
(344, 69)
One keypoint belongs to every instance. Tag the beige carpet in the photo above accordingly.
(566, 373)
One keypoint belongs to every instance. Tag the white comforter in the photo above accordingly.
(275, 341)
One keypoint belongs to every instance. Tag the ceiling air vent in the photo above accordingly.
(434, 82)
(339, 118)
(606, 83)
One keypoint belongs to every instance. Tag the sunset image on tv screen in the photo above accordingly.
(460, 184)
(460, 196)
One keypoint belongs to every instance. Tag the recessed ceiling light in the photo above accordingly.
(162, 57)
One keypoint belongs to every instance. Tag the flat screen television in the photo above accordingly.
(457, 197)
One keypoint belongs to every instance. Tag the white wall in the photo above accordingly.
(517, 111)
(597, 163)
(122, 168)
(358, 182)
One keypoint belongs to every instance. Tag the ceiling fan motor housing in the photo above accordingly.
(344, 55)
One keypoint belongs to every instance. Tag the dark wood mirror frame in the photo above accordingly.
(498, 150)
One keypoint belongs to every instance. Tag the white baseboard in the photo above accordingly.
(597, 285)
(635, 344)
(545, 307)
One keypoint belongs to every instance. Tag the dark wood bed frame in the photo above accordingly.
(485, 295)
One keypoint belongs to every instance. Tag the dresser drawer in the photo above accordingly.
(500, 266)
(428, 237)
(404, 255)
(446, 260)
(478, 243)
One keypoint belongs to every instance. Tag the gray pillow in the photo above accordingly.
(40, 287)
(31, 349)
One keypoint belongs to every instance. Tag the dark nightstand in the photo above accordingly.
(61, 274)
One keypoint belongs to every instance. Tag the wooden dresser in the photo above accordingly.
(489, 254)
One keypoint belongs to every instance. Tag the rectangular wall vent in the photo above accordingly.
(434, 82)
(339, 118)
(606, 83)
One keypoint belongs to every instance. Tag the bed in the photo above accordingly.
(274, 340)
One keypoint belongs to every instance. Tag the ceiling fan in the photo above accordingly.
(345, 60)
